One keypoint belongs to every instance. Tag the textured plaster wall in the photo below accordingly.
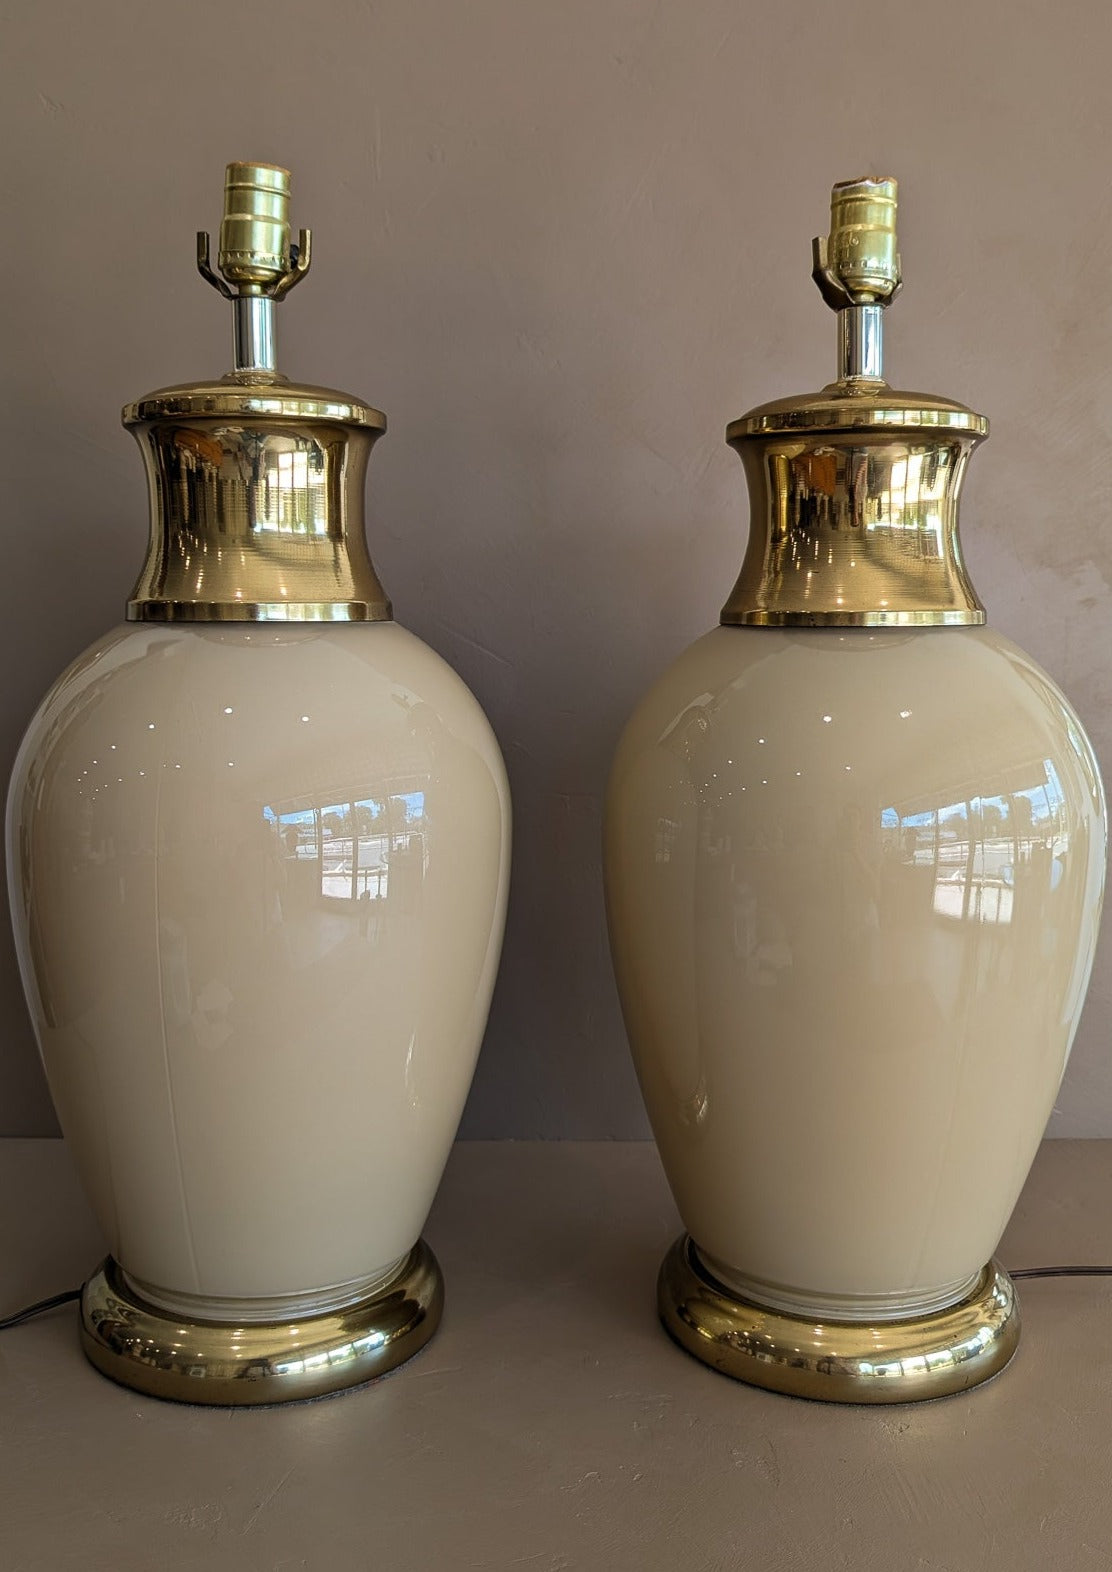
(561, 244)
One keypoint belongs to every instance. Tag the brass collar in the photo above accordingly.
(256, 498)
(854, 510)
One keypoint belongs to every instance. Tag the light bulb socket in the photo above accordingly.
(255, 229)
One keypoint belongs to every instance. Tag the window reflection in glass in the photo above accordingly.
(362, 851)
(979, 854)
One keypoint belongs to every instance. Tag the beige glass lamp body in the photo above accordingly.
(855, 850)
(259, 844)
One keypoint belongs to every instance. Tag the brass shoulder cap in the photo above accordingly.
(845, 407)
(265, 398)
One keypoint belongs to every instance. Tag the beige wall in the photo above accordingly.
(561, 245)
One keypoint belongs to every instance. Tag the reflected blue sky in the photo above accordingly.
(352, 850)
(982, 849)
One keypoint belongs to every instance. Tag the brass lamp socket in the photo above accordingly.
(255, 229)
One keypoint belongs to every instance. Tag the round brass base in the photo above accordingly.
(877, 1361)
(235, 1363)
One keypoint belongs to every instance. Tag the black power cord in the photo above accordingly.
(37, 1309)
(1062, 1271)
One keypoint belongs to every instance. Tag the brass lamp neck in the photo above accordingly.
(854, 490)
(861, 344)
(253, 334)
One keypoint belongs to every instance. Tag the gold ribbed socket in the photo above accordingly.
(255, 255)
(255, 231)
(858, 264)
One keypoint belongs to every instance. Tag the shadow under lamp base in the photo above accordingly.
(879, 1361)
(234, 1363)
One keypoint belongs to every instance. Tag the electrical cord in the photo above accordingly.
(40, 1308)
(37, 1309)
(1062, 1271)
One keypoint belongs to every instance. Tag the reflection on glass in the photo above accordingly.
(982, 852)
(363, 850)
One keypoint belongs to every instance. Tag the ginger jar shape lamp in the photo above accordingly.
(258, 846)
(855, 847)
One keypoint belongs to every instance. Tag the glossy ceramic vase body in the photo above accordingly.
(260, 874)
(855, 851)
(851, 953)
(258, 846)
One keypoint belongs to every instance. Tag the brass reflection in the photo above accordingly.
(901, 1361)
(854, 529)
(256, 508)
(235, 1363)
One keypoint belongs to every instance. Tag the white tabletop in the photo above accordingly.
(551, 1424)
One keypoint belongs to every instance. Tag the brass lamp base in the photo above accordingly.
(899, 1361)
(233, 1363)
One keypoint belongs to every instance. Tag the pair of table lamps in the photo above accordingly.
(259, 843)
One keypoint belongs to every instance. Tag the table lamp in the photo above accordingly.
(854, 857)
(258, 847)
